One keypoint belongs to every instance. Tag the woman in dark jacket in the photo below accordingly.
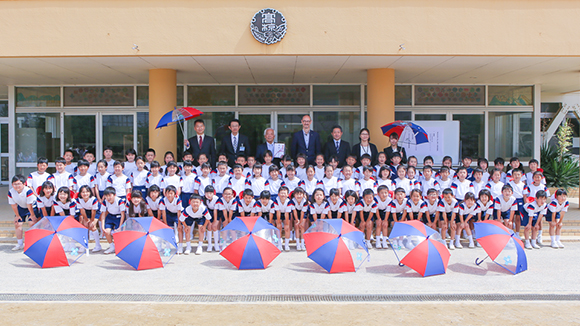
(394, 148)
(365, 147)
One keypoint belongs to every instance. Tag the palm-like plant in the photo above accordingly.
(560, 167)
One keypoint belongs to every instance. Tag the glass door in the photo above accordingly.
(287, 125)
(80, 134)
(4, 152)
(118, 133)
(253, 126)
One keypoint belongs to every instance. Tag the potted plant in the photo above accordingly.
(560, 166)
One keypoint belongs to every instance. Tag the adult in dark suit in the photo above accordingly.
(306, 141)
(365, 147)
(235, 143)
(394, 148)
(268, 145)
(337, 147)
(201, 144)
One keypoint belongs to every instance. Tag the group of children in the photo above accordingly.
(291, 196)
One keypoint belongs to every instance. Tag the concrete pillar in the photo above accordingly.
(162, 98)
(380, 103)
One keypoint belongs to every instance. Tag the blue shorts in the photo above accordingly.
(443, 216)
(185, 199)
(333, 214)
(101, 194)
(521, 209)
(412, 216)
(382, 213)
(142, 189)
(504, 215)
(171, 218)
(200, 221)
(24, 213)
(526, 220)
(425, 215)
(155, 213)
(112, 221)
(550, 214)
(396, 217)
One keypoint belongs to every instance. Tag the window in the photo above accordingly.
(430, 117)
(143, 96)
(118, 133)
(403, 115)
(511, 134)
(37, 96)
(4, 138)
(472, 135)
(511, 95)
(449, 95)
(79, 134)
(142, 132)
(37, 134)
(336, 95)
(99, 96)
(3, 109)
(211, 95)
(274, 95)
(403, 95)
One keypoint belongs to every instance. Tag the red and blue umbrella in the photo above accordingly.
(408, 132)
(56, 241)
(501, 246)
(427, 253)
(336, 245)
(178, 115)
(145, 243)
(250, 242)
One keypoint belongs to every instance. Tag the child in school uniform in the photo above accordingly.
(40, 176)
(465, 217)
(412, 176)
(416, 207)
(499, 164)
(428, 182)
(448, 209)
(89, 211)
(83, 178)
(299, 208)
(153, 200)
(477, 181)
(130, 164)
(520, 192)
(431, 215)
(155, 178)
(170, 209)
(99, 180)
(555, 216)
(466, 161)
(267, 157)
(351, 209)
(108, 154)
(443, 178)
(495, 185)
(136, 207)
(395, 164)
(201, 160)
(61, 177)
(172, 178)
(514, 164)
(402, 181)
(257, 183)
(286, 161)
(486, 205)
(168, 157)
(348, 182)
(319, 168)
(23, 203)
(291, 181)
(203, 180)
(448, 163)
(382, 223)
(282, 214)
(301, 165)
(237, 182)
(417, 176)
(225, 209)
(358, 173)
(505, 206)
(310, 183)
(112, 216)
(529, 177)
(264, 207)
(149, 157)
(188, 183)
(139, 176)
(64, 205)
(222, 178)
(318, 208)
(382, 162)
(533, 187)
(119, 181)
(366, 215)
(534, 212)
(483, 164)
(461, 186)
(398, 212)
(337, 172)
(384, 178)
(274, 182)
(187, 156)
(249, 167)
(246, 205)
(329, 181)
(210, 200)
(90, 157)
(335, 204)
(195, 213)
(45, 200)
(367, 182)
(69, 165)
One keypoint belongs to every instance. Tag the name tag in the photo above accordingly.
(242, 148)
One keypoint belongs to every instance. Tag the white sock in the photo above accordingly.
(179, 246)
(553, 238)
(96, 237)
(200, 243)
(189, 245)
(209, 237)
(113, 245)
(302, 241)
(20, 242)
(539, 233)
(557, 238)
(470, 238)
(286, 241)
(216, 237)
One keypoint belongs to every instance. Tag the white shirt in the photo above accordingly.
(460, 189)
(129, 168)
(291, 184)
(223, 205)
(367, 184)
(155, 180)
(59, 207)
(504, 206)
(139, 178)
(301, 173)
(534, 210)
(532, 190)
(220, 183)
(260, 208)
(64, 179)
(199, 213)
(114, 208)
(274, 186)
(100, 181)
(432, 208)
(201, 182)
(486, 209)
(299, 206)
(235, 142)
(310, 185)
(319, 209)
(36, 180)
(23, 198)
(248, 209)
(420, 207)
(556, 207)
(405, 184)
(350, 184)
(340, 205)
(91, 204)
(153, 204)
(121, 184)
(282, 207)
(188, 182)
(81, 180)
(370, 208)
(238, 185)
(396, 207)
(43, 202)
(520, 189)
(211, 204)
(445, 207)
(329, 184)
(495, 188)
(306, 137)
(173, 180)
(173, 206)
(382, 205)
(466, 211)
(426, 185)
(257, 185)
(319, 173)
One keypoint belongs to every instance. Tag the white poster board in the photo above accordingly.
(443, 141)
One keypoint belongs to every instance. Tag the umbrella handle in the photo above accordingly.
(401, 264)
(478, 262)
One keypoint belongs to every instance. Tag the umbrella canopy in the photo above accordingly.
(336, 246)
(177, 115)
(422, 248)
(55, 241)
(250, 242)
(143, 241)
(408, 132)
(501, 246)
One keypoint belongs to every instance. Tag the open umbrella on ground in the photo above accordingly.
(145, 243)
(408, 132)
(249, 242)
(419, 247)
(56, 241)
(336, 246)
(501, 246)
(178, 116)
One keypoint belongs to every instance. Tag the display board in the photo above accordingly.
(443, 141)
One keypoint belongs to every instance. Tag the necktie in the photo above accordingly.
(200, 141)
(235, 144)
(337, 147)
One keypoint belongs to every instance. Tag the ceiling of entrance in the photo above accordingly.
(555, 74)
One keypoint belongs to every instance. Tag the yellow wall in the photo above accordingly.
(162, 98)
(221, 27)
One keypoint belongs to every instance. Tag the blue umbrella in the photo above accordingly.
(419, 135)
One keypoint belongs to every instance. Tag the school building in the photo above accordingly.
(82, 75)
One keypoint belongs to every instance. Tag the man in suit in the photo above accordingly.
(201, 144)
(267, 146)
(306, 141)
(337, 147)
(235, 143)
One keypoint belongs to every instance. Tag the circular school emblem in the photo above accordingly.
(268, 26)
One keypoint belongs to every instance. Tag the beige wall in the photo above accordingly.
(221, 27)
